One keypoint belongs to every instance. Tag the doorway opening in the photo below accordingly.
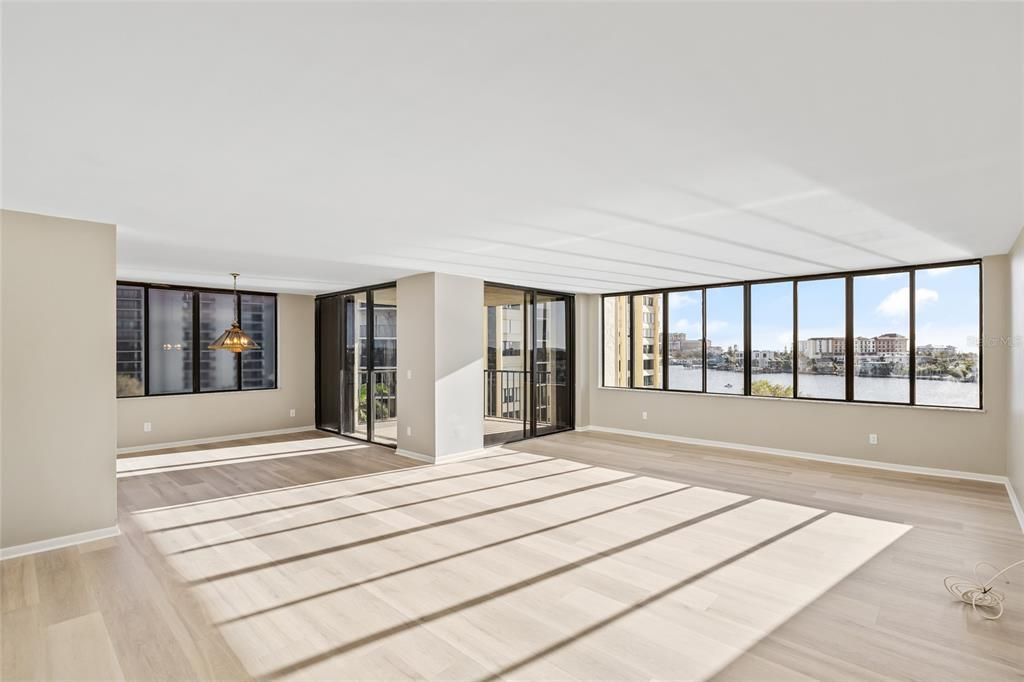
(357, 364)
(528, 377)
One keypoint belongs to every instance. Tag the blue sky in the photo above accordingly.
(725, 316)
(684, 313)
(947, 306)
(822, 308)
(771, 316)
(947, 309)
(881, 305)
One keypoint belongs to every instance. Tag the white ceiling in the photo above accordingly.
(581, 147)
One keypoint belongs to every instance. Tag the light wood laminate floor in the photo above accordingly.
(575, 556)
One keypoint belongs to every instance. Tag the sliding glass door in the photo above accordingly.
(527, 378)
(505, 363)
(328, 363)
(552, 369)
(357, 362)
(356, 367)
(384, 361)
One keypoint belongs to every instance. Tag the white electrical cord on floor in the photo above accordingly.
(979, 593)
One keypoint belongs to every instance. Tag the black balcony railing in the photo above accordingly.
(504, 393)
(384, 393)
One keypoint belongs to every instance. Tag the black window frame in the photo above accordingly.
(849, 277)
(196, 369)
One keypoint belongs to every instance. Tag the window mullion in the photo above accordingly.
(794, 356)
(849, 338)
(195, 342)
(145, 340)
(664, 340)
(912, 368)
(747, 372)
(631, 324)
(704, 340)
(238, 356)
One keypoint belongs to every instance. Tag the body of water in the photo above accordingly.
(886, 389)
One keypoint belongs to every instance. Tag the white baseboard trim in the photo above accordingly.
(418, 456)
(57, 543)
(832, 459)
(443, 459)
(1015, 501)
(212, 439)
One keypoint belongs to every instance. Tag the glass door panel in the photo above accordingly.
(328, 361)
(552, 369)
(505, 364)
(385, 366)
(527, 363)
(354, 413)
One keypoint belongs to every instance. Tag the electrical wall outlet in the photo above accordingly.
(147, 426)
(408, 430)
(291, 412)
(873, 439)
(408, 374)
(643, 415)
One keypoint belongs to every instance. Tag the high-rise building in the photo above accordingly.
(130, 340)
(648, 354)
(644, 349)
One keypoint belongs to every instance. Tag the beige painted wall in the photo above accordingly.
(440, 318)
(949, 439)
(57, 407)
(1015, 342)
(416, 355)
(458, 388)
(192, 417)
(585, 365)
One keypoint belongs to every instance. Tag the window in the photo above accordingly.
(218, 370)
(170, 341)
(881, 338)
(647, 351)
(906, 336)
(725, 340)
(131, 351)
(616, 341)
(259, 320)
(771, 339)
(821, 342)
(686, 340)
(947, 365)
(159, 329)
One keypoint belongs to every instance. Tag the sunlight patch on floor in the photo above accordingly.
(528, 565)
(141, 465)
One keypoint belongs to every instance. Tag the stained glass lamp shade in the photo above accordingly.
(234, 339)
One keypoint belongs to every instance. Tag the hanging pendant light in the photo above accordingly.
(234, 339)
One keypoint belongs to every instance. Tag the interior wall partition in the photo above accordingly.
(357, 363)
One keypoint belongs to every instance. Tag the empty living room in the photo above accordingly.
(471, 341)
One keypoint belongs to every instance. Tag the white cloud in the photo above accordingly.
(897, 304)
(926, 296)
(716, 326)
(941, 272)
(964, 337)
(683, 300)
